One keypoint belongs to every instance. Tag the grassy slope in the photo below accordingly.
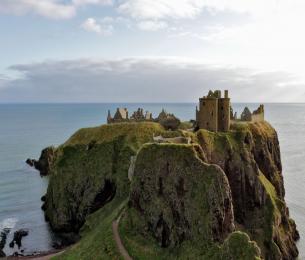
(97, 238)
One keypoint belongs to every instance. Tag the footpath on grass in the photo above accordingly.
(117, 238)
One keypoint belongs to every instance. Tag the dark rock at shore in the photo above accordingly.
(3, 238)
(44, 164)
(66, 239)
(31, 162)
(18, 235)
(2, 254)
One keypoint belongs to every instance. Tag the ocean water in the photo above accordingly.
(25, 129)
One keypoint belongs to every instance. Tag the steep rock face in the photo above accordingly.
(44, 164)
(180, 197)
(89, 170)
(250, 157)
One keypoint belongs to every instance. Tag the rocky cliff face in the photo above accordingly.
(45, 162)
(88, 171)
(180, 197)
(250, 157)
(185, 204)
(201, 200)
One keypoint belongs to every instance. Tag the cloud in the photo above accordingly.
(53, 9)
(47, 8)
(144, 80)
(96, 2)
(159, 9)
(150, 25)
(104, 27)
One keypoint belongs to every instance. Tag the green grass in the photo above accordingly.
(97, 238)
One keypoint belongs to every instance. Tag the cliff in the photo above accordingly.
(250, 157)
(221, 197)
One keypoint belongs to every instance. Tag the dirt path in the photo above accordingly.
(117, 238)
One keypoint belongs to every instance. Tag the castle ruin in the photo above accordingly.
(257, 115)
(214, 112)
(122, 115)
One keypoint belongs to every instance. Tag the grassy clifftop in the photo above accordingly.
(179, 204)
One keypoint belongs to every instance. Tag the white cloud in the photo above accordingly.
(144, 80)
(96, 2)
(150, 25)
(159, 9)
(47, 8)
(103, 27)
(54, 9)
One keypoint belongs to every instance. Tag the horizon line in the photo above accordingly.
(131, 103)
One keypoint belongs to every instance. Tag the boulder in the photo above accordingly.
(18, 235)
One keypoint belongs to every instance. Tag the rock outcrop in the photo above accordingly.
(250, 157)
(18, 235)
(44, 164)
(89, 170)
(3, 237)
(221, 197)
(180, 197)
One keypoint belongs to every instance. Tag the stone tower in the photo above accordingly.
(214, 112)
(224, 113)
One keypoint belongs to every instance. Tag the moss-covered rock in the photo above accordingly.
(250, 157)
(90, 169)
(185, 204)
(181, 197)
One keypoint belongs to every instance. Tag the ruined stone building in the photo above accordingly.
(121, 115)
(214, 112)
(167, 120)
(140, 116)
(257, 115)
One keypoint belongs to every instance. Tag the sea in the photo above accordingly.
(25, 129)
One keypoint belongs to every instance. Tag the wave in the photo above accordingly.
(8, 223)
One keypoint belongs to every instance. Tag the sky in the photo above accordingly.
(151, 50)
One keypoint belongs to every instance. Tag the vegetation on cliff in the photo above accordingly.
(222, 197)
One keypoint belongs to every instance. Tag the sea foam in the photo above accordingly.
(8, 223)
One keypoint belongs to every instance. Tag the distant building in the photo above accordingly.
(120, 115)
(168, 121)
(214, 112)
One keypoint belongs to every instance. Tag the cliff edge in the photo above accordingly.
(222, 196)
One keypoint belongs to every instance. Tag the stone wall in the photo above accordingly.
(207, 116)
(224, 114)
